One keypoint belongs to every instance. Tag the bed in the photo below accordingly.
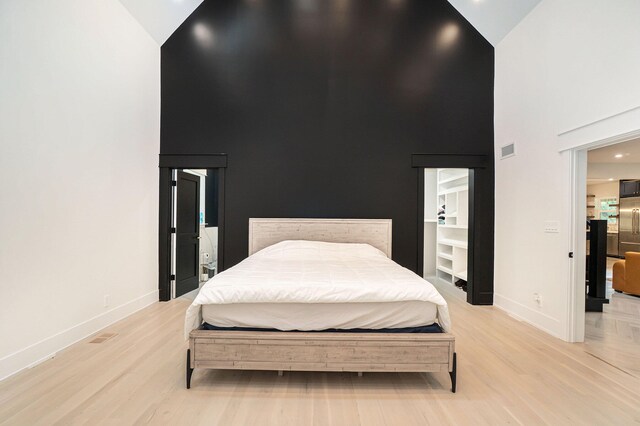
(320, 295)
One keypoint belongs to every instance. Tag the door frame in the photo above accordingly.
(167, 164)
(575, 312)
(480, 237)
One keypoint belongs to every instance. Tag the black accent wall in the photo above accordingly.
(211, 198)
(320, 104)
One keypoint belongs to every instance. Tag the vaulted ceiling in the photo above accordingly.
(494, 19)
(160, 18)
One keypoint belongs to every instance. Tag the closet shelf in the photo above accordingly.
(445, 269)
(451, 179)
(451, 189)
(453, 243)
(454, 189)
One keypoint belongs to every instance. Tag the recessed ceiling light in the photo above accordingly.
(618, 155)
(610, 179)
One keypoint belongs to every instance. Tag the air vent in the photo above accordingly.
(103, 338)
(508, 151)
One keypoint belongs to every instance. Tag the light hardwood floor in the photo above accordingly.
(509, 373)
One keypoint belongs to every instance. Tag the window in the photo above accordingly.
(609, 210)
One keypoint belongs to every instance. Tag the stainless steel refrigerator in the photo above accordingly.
(629, 229)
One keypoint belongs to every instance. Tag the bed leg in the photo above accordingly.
(453, 373)
(189, 369)
(359, 373)
(280, 373)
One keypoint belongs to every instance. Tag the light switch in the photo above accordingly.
(552, 226)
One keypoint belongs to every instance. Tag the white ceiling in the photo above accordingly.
(492, 18)
(629, 152)
(160, 18)
(600, 181)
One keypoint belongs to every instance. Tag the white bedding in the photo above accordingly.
(311, 272)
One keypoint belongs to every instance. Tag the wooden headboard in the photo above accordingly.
(266, 232)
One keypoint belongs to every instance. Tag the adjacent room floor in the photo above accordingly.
(614, 334)
(610, 262)
(509, 373)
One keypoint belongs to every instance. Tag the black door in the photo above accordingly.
(187, 233)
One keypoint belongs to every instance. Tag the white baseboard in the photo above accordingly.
(47, 348)
(532, 317)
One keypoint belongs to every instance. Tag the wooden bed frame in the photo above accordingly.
(309, 351)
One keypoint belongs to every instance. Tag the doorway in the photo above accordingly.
(191, 222)
(479, 217)
(612, 205)
(194, 243)
(194, 247)
(446, 224)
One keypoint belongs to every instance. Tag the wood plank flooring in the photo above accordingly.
(509, 373)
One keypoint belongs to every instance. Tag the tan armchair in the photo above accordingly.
(626, 274)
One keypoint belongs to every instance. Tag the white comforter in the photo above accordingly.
(316, 272)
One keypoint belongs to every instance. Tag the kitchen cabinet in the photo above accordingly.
(629, 188)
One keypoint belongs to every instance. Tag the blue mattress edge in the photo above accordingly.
(432, 328)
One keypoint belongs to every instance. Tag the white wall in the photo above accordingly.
(79, 144)
(567, 64)
(604, 190)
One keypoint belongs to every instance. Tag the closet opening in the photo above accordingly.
(446, 226)
(457, 244)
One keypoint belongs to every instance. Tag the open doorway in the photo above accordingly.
(446, 226)
(477, 171)
(194, 242)
(213, 217)
(612, 248)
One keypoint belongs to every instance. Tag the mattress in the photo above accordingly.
(321, 316)
(311, 285)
